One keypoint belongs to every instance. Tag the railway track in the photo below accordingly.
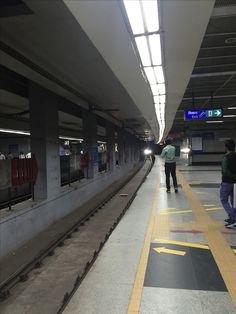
(79, 245)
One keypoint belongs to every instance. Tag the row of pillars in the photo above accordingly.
(45, 144)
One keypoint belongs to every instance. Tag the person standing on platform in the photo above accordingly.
(227, 185)
(170, 165)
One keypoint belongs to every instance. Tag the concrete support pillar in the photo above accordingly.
(132, 149)
(44, 141)
(120, 142)
(128, 148)
(110, 135)
(90, 143)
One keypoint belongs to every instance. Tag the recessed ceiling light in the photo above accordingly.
(215, 121)
(229, 116)
(14, 131)
(231, 40)
(231, 108)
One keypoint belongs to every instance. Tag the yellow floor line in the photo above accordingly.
(220, 249)
(214, 208)
(200, 246)
(187, 211)
(136, 294)
(168, 208)
(177, 212)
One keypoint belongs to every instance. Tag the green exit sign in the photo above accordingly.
(214, 113)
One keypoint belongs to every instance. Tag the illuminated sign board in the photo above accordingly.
(203, 114)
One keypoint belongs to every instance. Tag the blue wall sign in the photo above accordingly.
(203, 114)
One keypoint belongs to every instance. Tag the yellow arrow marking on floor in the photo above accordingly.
(199, 246)
(214, 208)
(165, 250)
(177, 212)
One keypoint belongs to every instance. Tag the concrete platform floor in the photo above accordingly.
(170, 253)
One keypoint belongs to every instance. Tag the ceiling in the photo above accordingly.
(213, 80)
(82, 50)
(54, 46)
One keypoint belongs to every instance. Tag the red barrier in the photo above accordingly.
(84, 161)
(23, 171)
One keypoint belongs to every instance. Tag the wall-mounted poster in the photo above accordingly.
(197, 144)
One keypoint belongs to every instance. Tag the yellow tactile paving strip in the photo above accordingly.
(223, 254)
(139, 280)
(159, 227)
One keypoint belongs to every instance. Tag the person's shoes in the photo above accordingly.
(231, 224)
(176, 190)
(228, 220)
(167, 190)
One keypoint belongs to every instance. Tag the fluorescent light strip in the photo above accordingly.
(150, 9)
(134, 13)
(150, 75)
(70, 138)
(14, 131)
(159, 74)
(214, 121)
(143, 50)
(162, 89)
(155, 47)
(157, 99)
(231, 108)
(162, 99)
(149, 48)
(155, 89)
(28, 134)
(229, 116)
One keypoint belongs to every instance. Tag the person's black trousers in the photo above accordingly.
(170, 168)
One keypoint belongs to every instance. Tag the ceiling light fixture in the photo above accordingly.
(155, 47)
(155, 89)
(162, 89)
(150, 10)
(14, 131)
(229, 116)
(162, 99)
(134, 13)
(159, 74)
(150, 75)
(231, 40)
(144, 21)
(70, 138)
(231, 108)
(156, 99)
(218, 121)
(141, 43)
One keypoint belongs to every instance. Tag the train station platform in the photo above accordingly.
(169, 254)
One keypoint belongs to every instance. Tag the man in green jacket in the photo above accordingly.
(228, 180)
(170, 165)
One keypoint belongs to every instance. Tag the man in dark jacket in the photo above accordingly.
(228, 180)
